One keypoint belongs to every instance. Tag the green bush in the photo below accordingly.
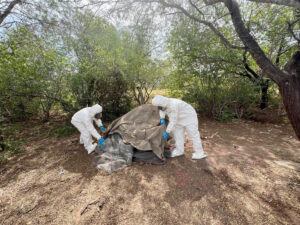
(32, 75)
(3, 159)
(64, 131)
(13, 147)
(220, 98)
(9, 147)
(110, 91)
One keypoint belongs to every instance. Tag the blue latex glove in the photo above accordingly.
(162, 121)
(101, 141)
(103, 128)
(165, 135)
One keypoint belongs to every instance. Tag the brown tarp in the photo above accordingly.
(141, 128)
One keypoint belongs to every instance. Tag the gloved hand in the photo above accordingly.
(162, 121)
(101, 141)
(103, 128)
(165, 135)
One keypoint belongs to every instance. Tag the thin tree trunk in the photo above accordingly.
(264, 94)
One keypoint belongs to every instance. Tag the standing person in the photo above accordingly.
(83, 121)
(182, 116)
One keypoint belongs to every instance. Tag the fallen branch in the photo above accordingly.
(212, 136)
(31, 209)
(92, 203)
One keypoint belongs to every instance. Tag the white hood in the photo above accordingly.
(159, 100)
(95, 109)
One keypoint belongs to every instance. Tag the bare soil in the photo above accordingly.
(241, 182)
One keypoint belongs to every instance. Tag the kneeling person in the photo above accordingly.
(83, 121)
(182, 116)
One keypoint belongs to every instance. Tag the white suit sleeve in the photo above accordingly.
(90, 127)
(98, 122)
(162, 114)
(173, 117)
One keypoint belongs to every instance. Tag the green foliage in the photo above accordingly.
(207, 77)
(63, 131)
(3, 159)
(99, 64)
(215, 78)
(74, 58)
(142, 70)
(7, 144)
(9, 147)
(32, 75)
(109, 91)
(218, 97)
(13, 147)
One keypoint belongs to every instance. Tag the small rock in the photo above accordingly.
(62, 172)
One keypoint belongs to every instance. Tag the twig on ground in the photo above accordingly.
(91, 203)
(29, 210)
(212, 136)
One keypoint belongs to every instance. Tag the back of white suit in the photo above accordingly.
(186, 113)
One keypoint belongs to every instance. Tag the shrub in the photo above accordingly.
(64, 131)
(110, 91)
(220, 98)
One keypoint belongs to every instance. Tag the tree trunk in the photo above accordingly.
(264, 86)
(290, 92)
(141, 96)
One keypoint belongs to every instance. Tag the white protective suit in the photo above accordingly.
(83, 121)
(182, 116)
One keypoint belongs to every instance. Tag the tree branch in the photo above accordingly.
(290, 3)
(198, 10)
(254, 49)
(210, 25)
(212, 2)
(247, 75)
(290, 29)
(7, 11)
(248, 68)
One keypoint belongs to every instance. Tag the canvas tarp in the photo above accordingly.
(141, 128)
(138, 129)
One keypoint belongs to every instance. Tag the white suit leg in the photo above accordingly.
(85, 136)
(178, 134)
(81, 139)
(194, 135)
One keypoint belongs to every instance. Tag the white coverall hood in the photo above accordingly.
(95, 109)
(159, 100)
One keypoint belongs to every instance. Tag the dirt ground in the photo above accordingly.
(241, 182)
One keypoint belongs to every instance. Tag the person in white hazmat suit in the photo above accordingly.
(182, 116)
(83, 121)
